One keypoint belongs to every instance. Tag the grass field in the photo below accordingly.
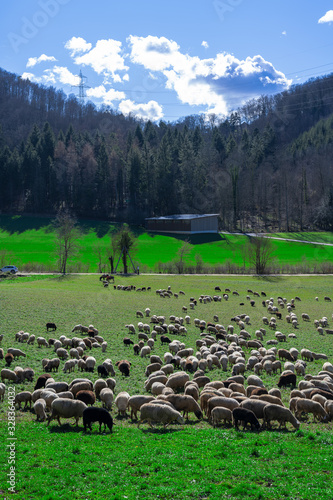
(29, 243)
(184, 462)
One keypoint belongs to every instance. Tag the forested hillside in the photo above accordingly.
(266, 166)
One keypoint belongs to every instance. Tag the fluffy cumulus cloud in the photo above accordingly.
(32, 61)
(77, 45)
(52, 76)
(205, 44)
(105, 58)
(107, 96)
(327, 18)
(146, 111)
(218, 84)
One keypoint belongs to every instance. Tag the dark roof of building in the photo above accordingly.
(182, 217)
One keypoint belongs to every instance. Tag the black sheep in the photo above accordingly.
(100, 415)
(246, 416)
(102, 371)
(9, 358)
(41, 381)
(51, 326)
(288, 379)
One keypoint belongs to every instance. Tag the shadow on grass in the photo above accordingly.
(65, 428)
(157, 430)
(20, 223)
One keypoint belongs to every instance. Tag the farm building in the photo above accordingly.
(184, 223)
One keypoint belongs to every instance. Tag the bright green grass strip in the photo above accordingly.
(29, 243)
(176, 464)
(320, 236)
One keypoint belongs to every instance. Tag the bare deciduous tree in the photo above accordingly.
(259, 253)
(67, 235)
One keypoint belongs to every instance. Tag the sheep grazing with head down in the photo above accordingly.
(66, 408)
(124, 367)
(281, 414)
(40, 409)
(100, 415)
(121, 403)
(185, 403)
(159, 413)
(246, 416)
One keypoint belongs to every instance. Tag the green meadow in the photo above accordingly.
(193, 461)
(29, 243)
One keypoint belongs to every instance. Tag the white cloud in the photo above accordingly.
(213, 82)
(32, 61)
(152, 52)
(205, 44)
(327, 18)
(64, 75)
(105, 58)
(77, 45)
(284, 33)
(147, 111)
(31, 77)
(108, 96)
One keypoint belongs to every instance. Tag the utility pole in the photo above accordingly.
(82, 86)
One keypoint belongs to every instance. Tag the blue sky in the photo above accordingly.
(166, 59)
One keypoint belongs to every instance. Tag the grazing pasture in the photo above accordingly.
(193, 460)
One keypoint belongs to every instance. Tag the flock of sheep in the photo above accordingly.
(186, 379)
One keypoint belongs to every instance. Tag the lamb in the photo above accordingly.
(39, 409)
(106, 396)
(51, 326)
(121, 403)
(246, 416)
(23, 397)
(99, 415)
(220, 413)
(281, 414)
(135, 403)
(102, 371)
(160, 413)
(310, 406)
(226, 402)
(66, 408)
(185, 403)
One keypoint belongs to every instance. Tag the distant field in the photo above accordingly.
(29, 243)
(193, 461)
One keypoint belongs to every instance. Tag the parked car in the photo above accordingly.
(9, 269)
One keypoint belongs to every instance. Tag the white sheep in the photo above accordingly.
(160, 413)
(281, 414)
(121, 402)
(106, 396)
(66, 408)
(40, 409)
(41, 341)
(23, 397)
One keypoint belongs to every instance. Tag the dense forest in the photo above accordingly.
(267, 166)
